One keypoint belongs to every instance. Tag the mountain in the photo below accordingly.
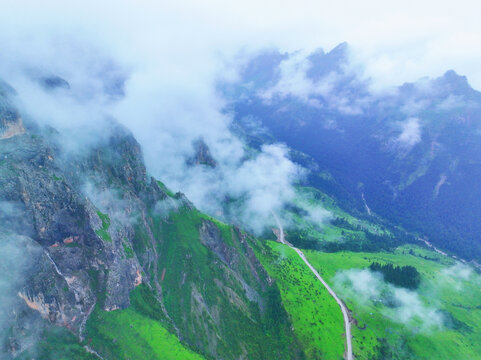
(99, 260)
(103, 261)
(410, 154)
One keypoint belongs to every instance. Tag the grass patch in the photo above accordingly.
(129, 253)
(136, 332)
(103, 231)
(316, 317)
(379, 337)
(199, 286)
(165, 189)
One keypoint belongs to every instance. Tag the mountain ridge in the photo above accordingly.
(101, 228)
(411, 152)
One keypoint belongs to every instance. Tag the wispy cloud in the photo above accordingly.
(328, 91)
(410, 132)
(295, 82)
(451, 102)
(17, 256)
(400, 305)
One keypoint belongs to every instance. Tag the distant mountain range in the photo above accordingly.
(411, 154)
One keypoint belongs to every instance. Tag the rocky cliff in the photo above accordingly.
(90, 227)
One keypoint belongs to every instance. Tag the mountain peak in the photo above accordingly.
(54, 82)
(323, 63)
(340, 49)
(454, 81)
(202, 154)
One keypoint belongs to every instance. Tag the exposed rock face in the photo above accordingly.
(83, 251)
(97, 227)
(54, 82)
(210, 236)
(10, 121)
(202, 155)
(11, 128)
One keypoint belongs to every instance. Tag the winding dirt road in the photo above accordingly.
(348, 353)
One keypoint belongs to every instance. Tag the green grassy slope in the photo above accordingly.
(457, 300)
(140, 337)
(209, 298)
(213, 288)
(133, 334)
(138, 332)
(315, 315)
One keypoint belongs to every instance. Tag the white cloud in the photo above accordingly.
(405, 306)
(17, 254)
(110, 201)
(266, 180)
(263, 183)
(294, 81)
(411, 307)
(170, 61)
(451, 102)
(411, 132)
(363, 282)
(413, 106)
(458, 272)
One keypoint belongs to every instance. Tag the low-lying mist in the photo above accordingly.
(398, 304)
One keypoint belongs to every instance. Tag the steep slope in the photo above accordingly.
(316, 317)
(109, 259)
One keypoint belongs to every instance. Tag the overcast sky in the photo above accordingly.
(397, 41)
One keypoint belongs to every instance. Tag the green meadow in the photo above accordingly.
(453, 293)
(136, 332)
(315, 315)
